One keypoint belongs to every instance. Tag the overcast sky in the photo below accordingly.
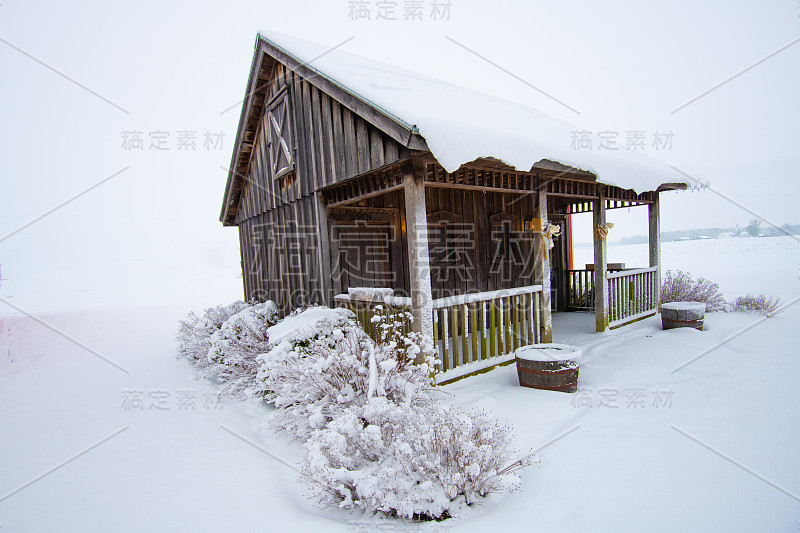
(76, 76)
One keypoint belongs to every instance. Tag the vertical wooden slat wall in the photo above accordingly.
(464, 215)
(279, 219)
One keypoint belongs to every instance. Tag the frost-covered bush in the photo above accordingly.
(423, 462)
(195, 331)
(233, 348)
(334, 364)
(680, 287)
(375, 440)
(761, 304)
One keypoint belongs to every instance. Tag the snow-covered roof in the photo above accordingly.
(445, 115)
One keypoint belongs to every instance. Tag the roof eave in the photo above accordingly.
(246, 107)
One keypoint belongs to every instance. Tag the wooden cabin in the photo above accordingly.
(333, 192)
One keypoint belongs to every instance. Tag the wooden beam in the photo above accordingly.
(323, 250)
(600, 264)
(438, 184)
(364, 196)
(566, 195)
(654, 234)
(419, 264)
(542, 273)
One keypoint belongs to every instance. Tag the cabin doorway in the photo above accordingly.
(364, 254)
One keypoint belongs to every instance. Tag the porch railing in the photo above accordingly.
(473, 332)
(632, 294)
(365, 310)
(580, 289)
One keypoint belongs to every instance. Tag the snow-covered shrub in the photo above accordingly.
(334, 364)
(761, 304)
(375, 440)
(408, 345)
(680, 287)
(414, 461)
(195, 331)
(233, 348)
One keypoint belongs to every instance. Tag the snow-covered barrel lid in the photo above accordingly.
(685, 306)
(548, 352)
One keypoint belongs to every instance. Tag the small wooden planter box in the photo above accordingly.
(683, 315)
(548, 367)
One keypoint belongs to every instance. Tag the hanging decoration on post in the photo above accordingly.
(549, 233)
(533, 225)
(602, 230)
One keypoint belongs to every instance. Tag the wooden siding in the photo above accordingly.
(280, 221)
(460, 242)
(332, 144)
(465, 229)
(358, 232)
(281, 256)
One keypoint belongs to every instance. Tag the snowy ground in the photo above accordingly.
(710, 446)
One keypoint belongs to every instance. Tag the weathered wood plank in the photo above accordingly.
(302, 154)
(322, 178)
(600, 265)
(464, 311)
(390, 150)
(362, 146)
(454, 335)
(654, 244)
(311, 140)
(340, 168)
(482, 336)
(543, 274)
(376, 148)
(445, 342)
(475, 332)
(493, 328)
(507, 343)
(350, 146)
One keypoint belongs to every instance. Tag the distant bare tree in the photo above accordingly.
(754, 228)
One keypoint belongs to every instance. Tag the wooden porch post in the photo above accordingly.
(543, 274)
(323, 252)
(418, 259)
(600, 264)
(654, 232)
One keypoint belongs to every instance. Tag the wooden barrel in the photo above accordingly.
(548, 366)
(683, 315)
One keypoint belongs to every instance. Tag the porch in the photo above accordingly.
(469, 255)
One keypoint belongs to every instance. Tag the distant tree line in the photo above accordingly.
(754, 228)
